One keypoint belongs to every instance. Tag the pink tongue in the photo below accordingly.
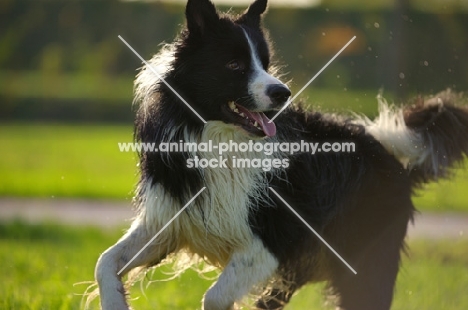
(268, 128)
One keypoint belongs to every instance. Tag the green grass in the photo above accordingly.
(84, 161)
(446, 195)
(42, 264)
(66, 161)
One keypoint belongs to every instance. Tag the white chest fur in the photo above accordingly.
(217, 222)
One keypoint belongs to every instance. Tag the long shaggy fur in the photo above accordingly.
(360, 202)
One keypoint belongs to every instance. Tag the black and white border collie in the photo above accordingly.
(359, 202)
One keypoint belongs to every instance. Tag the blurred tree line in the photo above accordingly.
(63, 60)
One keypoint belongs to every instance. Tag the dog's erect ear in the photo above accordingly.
(201, 15)
(253, 14)
(257, 8)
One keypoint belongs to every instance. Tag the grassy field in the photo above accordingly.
(84, 161)
(66, 161)
(44, 265)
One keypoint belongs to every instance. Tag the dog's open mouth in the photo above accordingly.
(256, 123)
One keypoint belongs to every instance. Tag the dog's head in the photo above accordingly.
(222, 67)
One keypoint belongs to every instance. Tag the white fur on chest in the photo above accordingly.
(217, 222)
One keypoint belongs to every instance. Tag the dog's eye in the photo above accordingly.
(235, 65)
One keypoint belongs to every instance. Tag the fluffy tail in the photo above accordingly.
(428, 137)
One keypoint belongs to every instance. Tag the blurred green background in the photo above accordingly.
(62, 60)
(65, 102)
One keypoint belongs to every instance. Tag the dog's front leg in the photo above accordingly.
(247, 268)
(109, 267)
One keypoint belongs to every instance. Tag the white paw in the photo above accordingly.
(213, 301)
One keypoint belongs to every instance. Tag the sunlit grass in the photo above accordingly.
(66, 161)
(43, 264)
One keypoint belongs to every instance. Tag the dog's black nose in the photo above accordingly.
(278, 94)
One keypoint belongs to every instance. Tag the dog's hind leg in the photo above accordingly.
(247, 268)
(377, 266)
(109, 269)
(372, 287)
